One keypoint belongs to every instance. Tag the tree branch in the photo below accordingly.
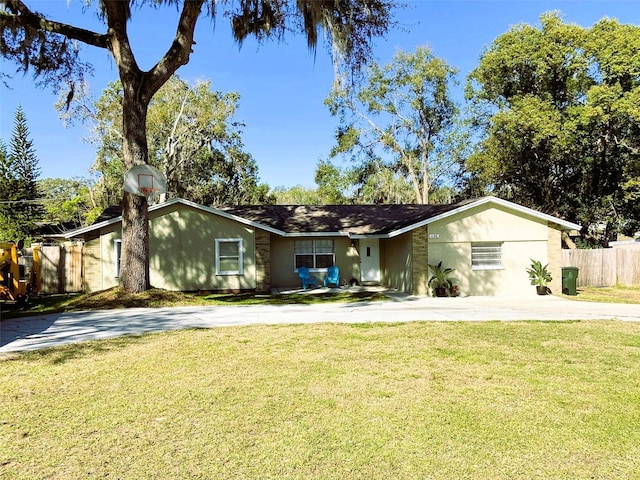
(180, 50)
(21, 16)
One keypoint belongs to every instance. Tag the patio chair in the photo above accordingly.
(333, 276)
(306, 279)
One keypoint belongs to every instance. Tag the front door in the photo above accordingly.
(369, 260)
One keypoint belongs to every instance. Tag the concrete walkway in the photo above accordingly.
(62, 328)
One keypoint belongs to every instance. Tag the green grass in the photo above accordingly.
(154, 298)
(615, 294)
(450, 400)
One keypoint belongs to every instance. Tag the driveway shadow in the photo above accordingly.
(14, 329)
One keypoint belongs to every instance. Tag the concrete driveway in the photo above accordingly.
(57, 329)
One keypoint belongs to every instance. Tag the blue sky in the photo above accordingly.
(282, 86)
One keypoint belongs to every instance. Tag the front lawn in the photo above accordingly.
(614, 294)
(450, 400)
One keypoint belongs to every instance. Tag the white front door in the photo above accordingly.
(369, 260)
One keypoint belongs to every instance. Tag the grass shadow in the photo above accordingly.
(62, 354)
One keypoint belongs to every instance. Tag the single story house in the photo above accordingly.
(489, 241)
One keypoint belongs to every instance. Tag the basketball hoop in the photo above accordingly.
(146, 191)
(144, 180)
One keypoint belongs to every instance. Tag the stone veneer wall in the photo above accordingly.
(554, 258)
(419, 261)
(263, 260)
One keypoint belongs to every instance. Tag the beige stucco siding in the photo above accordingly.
(92, 265)
(108, 236)
(282, 261)
(522, 238)
(182, 250)
(397, 271)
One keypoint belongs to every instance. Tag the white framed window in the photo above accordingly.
(229, 256)
(486, 256)
(314, 254)
(117, 254)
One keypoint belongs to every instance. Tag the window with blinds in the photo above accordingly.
(486, 256)
(314, 254)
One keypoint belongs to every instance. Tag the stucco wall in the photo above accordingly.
(282, 261)
(108, 236)
(182, 250)
(397, 272)
(522, 237)
(91, 265)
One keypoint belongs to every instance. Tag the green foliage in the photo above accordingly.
(333, 183)
(68, 201)
(193, 139)
(296, 195)
(20, 209)
(401, 119)
(557, 105)
(441, 277)
(539, 275)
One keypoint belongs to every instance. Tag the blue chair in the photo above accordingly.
(333, 276)
(306, 279)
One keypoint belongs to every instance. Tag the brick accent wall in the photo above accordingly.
(263, 260)
(419, 261)
(554, 258)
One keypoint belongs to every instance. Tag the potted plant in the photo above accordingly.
(539, 276)
(440, 281)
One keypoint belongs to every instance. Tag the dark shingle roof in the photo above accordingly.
(331, 219)
(354, 219)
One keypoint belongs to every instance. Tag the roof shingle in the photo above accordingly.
(354, 219)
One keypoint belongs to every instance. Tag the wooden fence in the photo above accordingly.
(61, 269)
(604, 267)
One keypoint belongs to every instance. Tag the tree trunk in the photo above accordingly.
(135, 216)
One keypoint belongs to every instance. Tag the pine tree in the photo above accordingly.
(20, 171)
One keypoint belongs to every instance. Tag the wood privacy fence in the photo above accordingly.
(604, 267)
(61, 269)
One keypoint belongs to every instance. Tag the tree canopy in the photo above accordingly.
(193, 138)
(557, 105)
(44, 47)
(400, 125)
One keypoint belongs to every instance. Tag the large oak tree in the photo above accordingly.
(557, 107)
(43, 45)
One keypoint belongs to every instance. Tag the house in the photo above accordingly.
(489, 241)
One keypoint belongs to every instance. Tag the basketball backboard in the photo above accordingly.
(144, 180)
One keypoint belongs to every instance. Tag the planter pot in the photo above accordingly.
(542, 290)
(441, 292)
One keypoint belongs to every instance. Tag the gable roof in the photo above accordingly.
(354, 219)
(338, 220)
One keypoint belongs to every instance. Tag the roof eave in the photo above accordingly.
(563, 224)
(81, 231)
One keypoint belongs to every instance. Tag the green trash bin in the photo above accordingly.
(569, 277)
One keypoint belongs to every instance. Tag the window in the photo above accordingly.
(229, 256)
(117, 254)
(486, 256)
(314, 254)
